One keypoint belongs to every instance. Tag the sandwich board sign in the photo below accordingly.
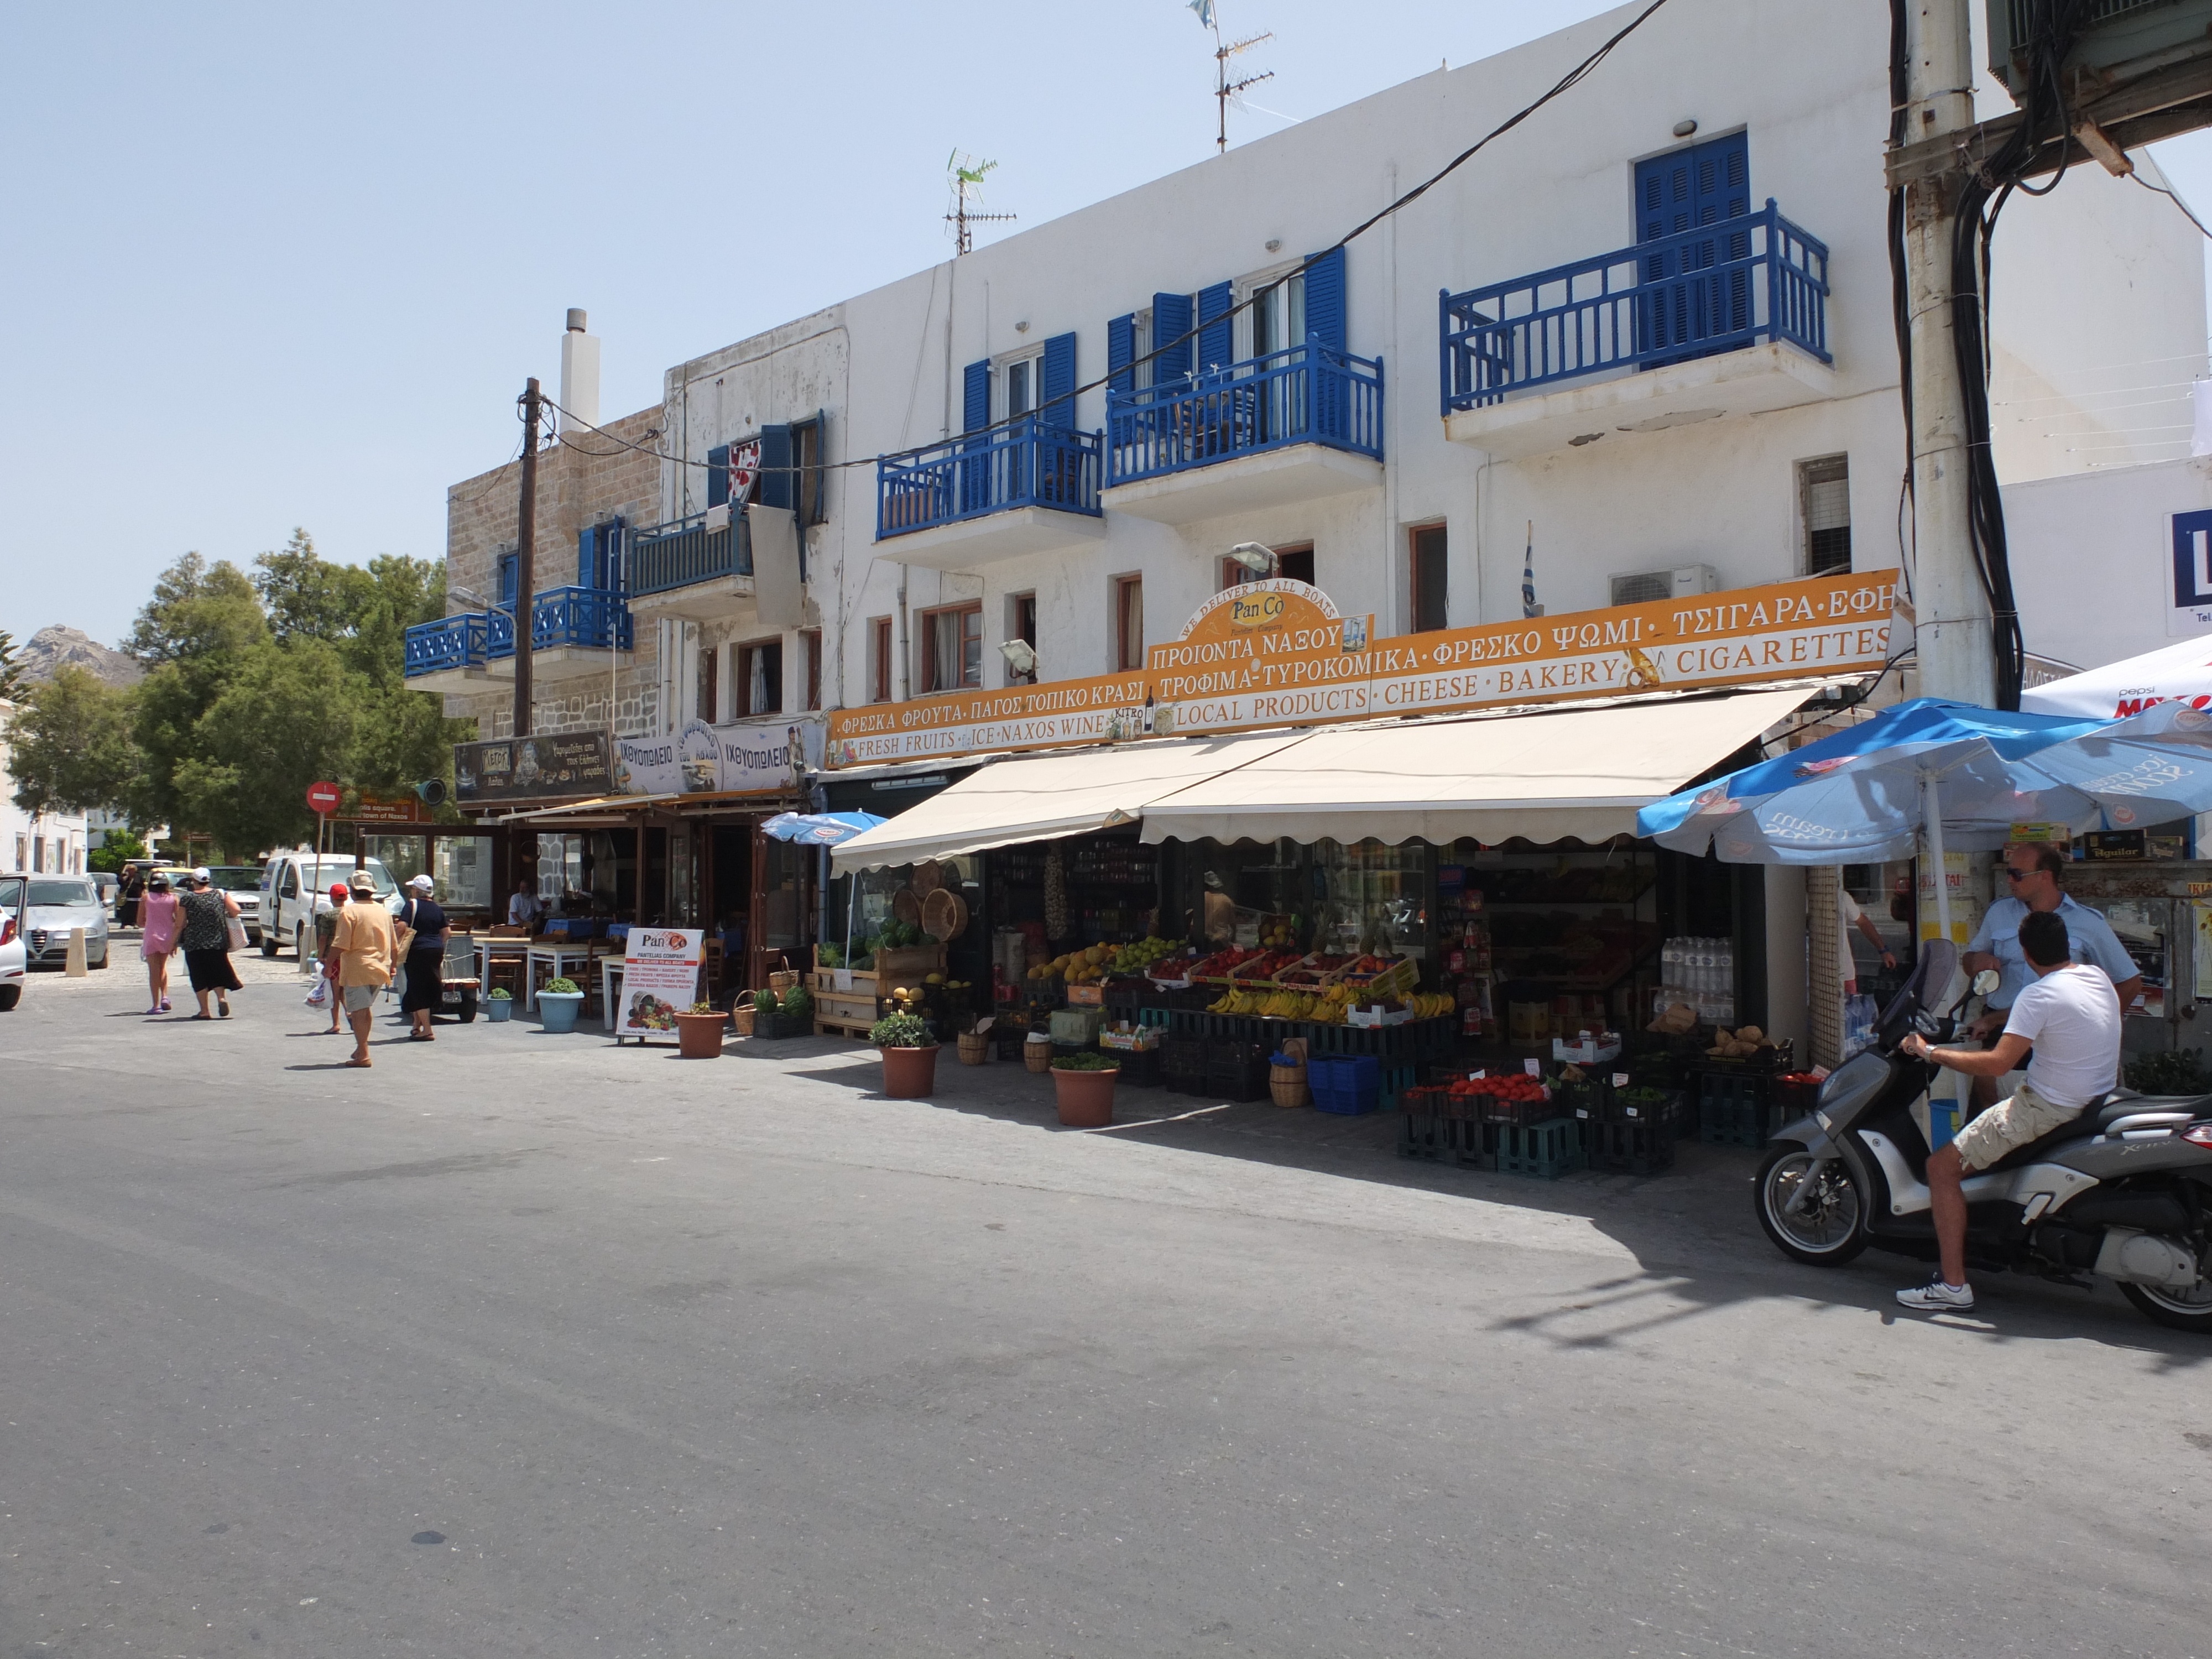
(660, 980)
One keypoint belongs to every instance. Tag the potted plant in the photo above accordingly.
(499, 1005)
(699, 1032)
(1084, 1084)
(559, 1004)
(910, 1055)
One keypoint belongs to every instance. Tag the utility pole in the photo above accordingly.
(525, 557)
(1954, 631)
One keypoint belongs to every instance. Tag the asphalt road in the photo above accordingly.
(521, 1345)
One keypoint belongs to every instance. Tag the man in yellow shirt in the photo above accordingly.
(367, 947)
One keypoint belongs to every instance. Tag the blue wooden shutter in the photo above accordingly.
(1120, 352)
(718, 475)
(588, 540)
(1056, 388)
(1170, 322)
(775, 486)
(1325, 318)
(1682, 314)
(508, 564)
(1217, 334)
(976, 396)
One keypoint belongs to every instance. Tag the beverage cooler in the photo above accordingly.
(2162, 914)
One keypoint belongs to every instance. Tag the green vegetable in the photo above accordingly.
(764, 1001)
(900, 1031)
(828, 955)
(562, 987)
(501, 993)
(799, 1002)
(1090, 1060)
(702, 1006)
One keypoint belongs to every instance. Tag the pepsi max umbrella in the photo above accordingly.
(819, 829)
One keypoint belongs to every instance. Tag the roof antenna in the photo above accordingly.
(1224, 88)
(967, 177)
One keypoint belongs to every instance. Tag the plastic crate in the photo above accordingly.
(1140, 1067)
(1734, 1111)
(1794, 1097)
(1238, 1076)
(1008, 1039)
(1397, 1082)
(1519, 1113)
(1636, 1146)
(1347, 1084)
(1547, 1150)
(1624, 1107)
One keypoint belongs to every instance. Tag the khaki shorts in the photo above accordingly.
(361, 997)
(2012, 1123)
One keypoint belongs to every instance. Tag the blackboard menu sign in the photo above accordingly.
(566, 764)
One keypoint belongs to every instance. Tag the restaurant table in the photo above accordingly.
(550, 959)
(515, 950)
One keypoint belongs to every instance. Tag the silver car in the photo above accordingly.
(55, 906)
(243, 882)
(14, 957)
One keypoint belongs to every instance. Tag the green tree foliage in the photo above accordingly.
(70, 745)
(12, 682)
(285, 718)
(116, 848)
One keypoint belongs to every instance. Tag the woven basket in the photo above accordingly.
(974, 1049)
(1287, 1084)
(743, 1014)
(1037, 1056)
(781, 981)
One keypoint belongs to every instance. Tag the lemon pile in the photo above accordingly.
(1327, 1006)
(1097, 962)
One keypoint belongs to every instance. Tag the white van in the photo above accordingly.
(296, 887)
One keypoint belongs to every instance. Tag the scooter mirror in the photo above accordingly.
(1986, 982)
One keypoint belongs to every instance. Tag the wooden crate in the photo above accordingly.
(853, 1007)
(907, 966)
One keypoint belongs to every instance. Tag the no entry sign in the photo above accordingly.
(322, 798)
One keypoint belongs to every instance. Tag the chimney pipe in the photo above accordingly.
(579, 374)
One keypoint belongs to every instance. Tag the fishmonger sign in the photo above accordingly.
(1278, 653)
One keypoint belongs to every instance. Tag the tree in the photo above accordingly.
(70, 746)
(12, 682)
(306, 598)
(286, 720)
(116, 848)
(198, 612)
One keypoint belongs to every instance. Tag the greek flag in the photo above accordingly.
(1528, 606)
(1205, 10)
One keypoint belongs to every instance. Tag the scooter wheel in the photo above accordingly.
(2184, 1310)
(1831, 1229)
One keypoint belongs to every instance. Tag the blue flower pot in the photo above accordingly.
(559, 1009)
(500, 1009)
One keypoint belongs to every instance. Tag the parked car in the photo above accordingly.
(107, 884)
(52, 907)
(15, 955)
(296, 886)
(243, 882)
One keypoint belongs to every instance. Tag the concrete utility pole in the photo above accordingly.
(526, 557)
(1954, 631)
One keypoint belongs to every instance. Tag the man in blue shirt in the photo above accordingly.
(2032, 870)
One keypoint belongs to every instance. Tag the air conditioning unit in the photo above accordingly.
(1680, 583)
(2120, 40)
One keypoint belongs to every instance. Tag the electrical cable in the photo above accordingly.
(1572, 78)
(2162, 191)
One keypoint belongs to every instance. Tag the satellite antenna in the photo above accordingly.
(967, 177)
(1224, 88)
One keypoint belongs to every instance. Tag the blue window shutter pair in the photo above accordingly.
(1056, 384)
(776, 487)
(976, 396)
(718, 475)
(1170, 322)
(1120, 352)
(1217, 338)
(1699, 185)
(1325, 318)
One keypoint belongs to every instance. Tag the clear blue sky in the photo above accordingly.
(282, 264)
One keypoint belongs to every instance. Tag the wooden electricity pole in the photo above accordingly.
(525, 559)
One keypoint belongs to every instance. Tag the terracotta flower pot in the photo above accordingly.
(909, 1073)
(1086, 1098)
(699, 1036)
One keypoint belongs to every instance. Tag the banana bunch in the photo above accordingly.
(1236, 1002)
(1430, 1004)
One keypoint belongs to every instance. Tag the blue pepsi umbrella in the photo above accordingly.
(819, 829)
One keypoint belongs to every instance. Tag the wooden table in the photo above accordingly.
(555, 956)
(488, 950)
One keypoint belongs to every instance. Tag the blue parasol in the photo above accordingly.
(819, 829)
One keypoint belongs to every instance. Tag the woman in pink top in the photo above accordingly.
(158, 939)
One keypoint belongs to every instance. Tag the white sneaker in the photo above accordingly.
(1937, 1297)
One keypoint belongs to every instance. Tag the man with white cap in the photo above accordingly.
(422, 934)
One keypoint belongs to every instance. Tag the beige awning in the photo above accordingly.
(1067, 792)
(1546, 775)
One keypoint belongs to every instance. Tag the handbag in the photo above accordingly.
(405, 935)
(234, 929)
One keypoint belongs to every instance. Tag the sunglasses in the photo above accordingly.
(2013, 874)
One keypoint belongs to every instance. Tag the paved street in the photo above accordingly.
(522, 1345)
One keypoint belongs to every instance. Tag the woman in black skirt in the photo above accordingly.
(205, 940)
(426, 957)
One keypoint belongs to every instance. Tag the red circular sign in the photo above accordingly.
(323, 797)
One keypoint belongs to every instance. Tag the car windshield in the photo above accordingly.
(234, 878)
(11, 895)
(340, 870)
(77, 895)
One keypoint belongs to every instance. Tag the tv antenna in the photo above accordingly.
(966, 174)
(1224, 88)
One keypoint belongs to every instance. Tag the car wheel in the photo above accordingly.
(9, 996)
(268, 941)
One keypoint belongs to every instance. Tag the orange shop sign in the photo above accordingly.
(1278, 653)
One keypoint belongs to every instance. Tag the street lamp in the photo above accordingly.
(1021, 656)
(1254, 556)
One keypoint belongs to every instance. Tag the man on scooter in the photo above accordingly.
(2070, 1018)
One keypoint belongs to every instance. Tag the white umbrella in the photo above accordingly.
(2172, 673)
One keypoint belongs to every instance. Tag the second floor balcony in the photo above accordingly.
(572, 630)
(1291, 425)
(1026, 487)
(688, 570)
(1729, 318)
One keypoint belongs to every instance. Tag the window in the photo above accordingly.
(1427, 547)
(952, 647)
(1129, 623)
(760, 679)
(38, 855)
(1296, 562)
(810, 495)
(508, 566)
(1277, 314)
(879, 659)
(710, 683)
(1021, 381)
(1021, 624)
(22, 850)
(810, 666)
(1824, 503)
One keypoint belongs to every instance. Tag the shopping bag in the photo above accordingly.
(319, 994)
(236, 929)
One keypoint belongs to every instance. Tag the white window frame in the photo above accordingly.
(1248, 321)
(1002, 381)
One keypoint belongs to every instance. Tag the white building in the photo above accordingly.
(53, 843)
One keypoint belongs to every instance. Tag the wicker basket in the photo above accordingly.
(781, 981)
(975, 1048)
(1037, 1056)
(1287, 1084)
(743, 1014)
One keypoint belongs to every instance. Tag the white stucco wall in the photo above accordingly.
(2093, 560)
(62, 835)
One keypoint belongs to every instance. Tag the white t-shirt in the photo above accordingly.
(2072, 1016)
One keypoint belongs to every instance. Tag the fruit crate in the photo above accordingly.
(1415, 1043)
(1632, 1146)
(1735, 1111)
(1183, 1065)
(1346, 1084)
(1546, 1150)
(1237, 1070)
(1630, 1106)
(777, 1026)
(1140, 1067)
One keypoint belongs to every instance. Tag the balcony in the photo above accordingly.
(686, 570)
(456, 652)
(1020, 489)
(1293, 426)
(1728, 320)
(571, 631)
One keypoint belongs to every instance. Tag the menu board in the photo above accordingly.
(566, 763)
(660, 980)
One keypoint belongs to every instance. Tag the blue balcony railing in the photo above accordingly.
(468, 640)
(1307, 394)
(586, 616)
(678, 555)
(1719, 288)
(1025, 463)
